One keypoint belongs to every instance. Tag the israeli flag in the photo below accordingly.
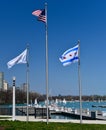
(70, 56)
(22, 58)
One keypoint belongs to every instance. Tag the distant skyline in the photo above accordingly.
(68, 22)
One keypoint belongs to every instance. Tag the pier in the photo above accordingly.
(40, 112)
(74, 113)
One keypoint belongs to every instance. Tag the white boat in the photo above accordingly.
(56, 101)
(64, 101)
(36, 103)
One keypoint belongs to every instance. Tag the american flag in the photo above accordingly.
(40, 14)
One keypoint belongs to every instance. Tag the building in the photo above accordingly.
(24, 87)
(1, 80)
(5, 85)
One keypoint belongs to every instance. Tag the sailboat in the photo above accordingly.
(64, 101)
(36, 103)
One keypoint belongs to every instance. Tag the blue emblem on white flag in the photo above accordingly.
(22, 58)
(70, 56)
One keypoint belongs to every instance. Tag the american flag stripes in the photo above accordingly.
(40, 14)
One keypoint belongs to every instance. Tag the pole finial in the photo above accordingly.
(46, 3)
(27, 45)
(13, 77)
(78, 41)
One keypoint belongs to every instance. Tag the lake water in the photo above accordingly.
(85, 105)
(92, 106)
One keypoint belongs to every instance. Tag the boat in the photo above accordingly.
(64, 101)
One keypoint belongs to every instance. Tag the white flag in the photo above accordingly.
(22, 58)
(70, 56)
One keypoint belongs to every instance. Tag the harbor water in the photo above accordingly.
(91, 106)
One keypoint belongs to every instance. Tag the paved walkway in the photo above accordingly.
(33, 119)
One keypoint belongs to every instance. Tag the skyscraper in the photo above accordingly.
(1, 80)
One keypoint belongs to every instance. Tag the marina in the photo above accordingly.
(67, 112)
(59, 110)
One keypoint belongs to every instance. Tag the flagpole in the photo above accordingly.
(46, 27)
(79, 80)
(27, 82)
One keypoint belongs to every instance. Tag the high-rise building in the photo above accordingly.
(5, 85)
(1, 80)
(24, 87)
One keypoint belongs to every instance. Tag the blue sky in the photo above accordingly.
(68, 22)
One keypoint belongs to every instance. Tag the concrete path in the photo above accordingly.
(33, 119)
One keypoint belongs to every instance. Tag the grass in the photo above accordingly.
(19, 125)
(5, 117)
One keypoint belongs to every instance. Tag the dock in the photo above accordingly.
(41, 112)
(74, 113)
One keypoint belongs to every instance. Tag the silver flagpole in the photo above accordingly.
(27, 82)
(79, 79)
(46, 61)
